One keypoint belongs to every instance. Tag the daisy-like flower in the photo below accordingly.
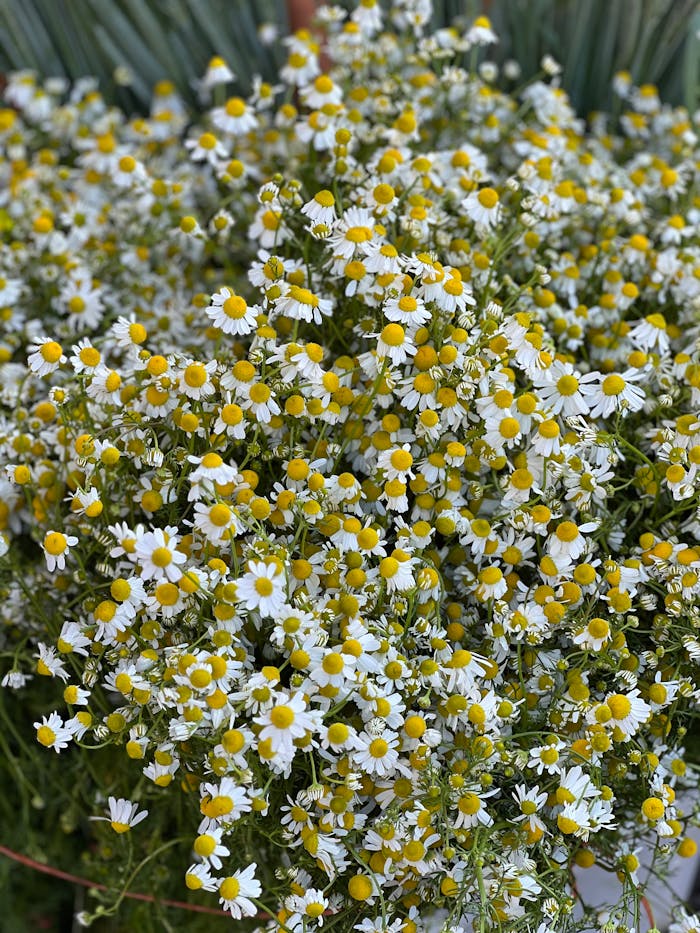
(650, 333)
(258, 399)
(156, 552)
(83, 303)
(49, 664)
(195, 378)
(208, 847)
(86, 357)
(481, 32)
(407, 310)
(52, 733)
(105, 385)
(397, 572)
(234, 117)
(301, 304)
(471, 810)
(222, 803)
(491, 584)
(353, 231)
(206, 148)
(376, 754)
(230, 420)
(531, 802)
(568, 541)
(71, 639)
(123, 814)
(546, 757)
(312, 904)
(287, 719)
(483, 207)
(56, 546)
(218, 72)
(199, 878)
(594, 635)
(236, 890)
(45, 356)
(614, 392)
(396, 463)
(218, 522)
(394, 342)
(210, 468)
(262, 588)
(231, 313)
(627, 712)
(560, 391)
(321, 208)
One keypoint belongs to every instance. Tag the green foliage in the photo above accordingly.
(153, 39)
(656, 40)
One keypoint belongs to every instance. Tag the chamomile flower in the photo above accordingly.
(52, 733)
(321, 208)
(218, 72)
(262, 588)
(303, 305)
(231, 313)
(627, 712)
(483, 207)
(56, 546)
(234, 117)
(45, 356)
(407, 310)
(236, 891)
(123, 815)
(157, 554)
(615, 392)
(395, 344)
(287, 719)
(594, 635)
(376, 754)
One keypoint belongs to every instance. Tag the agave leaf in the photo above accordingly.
(159, 37)
(628, 35)
(29, 45)
(691, 65)
(131, 50)
(65, 38)
(139, 86)
(677, 29)
(577, 58)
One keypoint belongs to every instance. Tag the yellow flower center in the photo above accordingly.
(235, 107)
(469, 804)
(613, 384)
(619, 706)
(229, 889)
(324, 198)
(51, 351)
(161, 557)
(259, 393)
(567, 385)
(282, 716)
(263, 586)
(46, 735)
(235, 307)
(55, 543)
(488, 198)
(378, 748)
(195, 375)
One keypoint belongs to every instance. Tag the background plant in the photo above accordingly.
(655, 40)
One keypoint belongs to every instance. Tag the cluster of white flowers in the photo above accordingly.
(351, 474)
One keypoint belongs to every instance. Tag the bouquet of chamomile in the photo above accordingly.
(351, 478)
